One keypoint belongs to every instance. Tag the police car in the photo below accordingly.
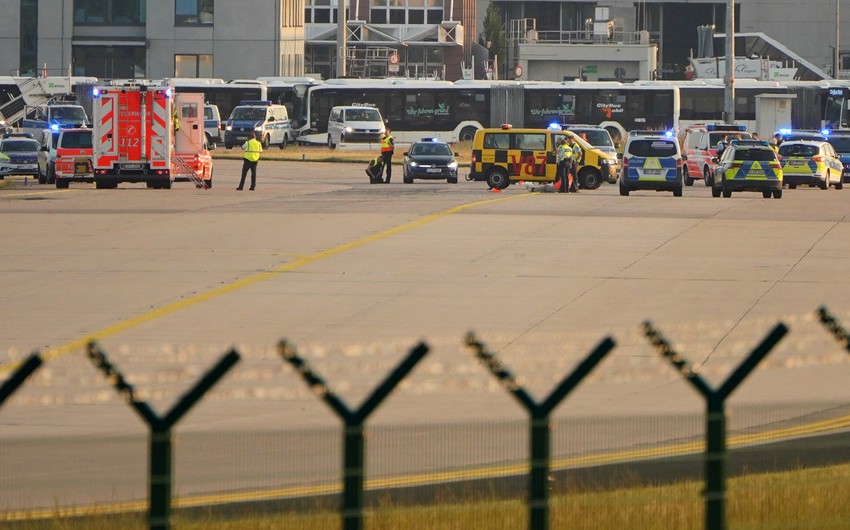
(748, 165)
(840, 141)
(813, 163)
(699, 145)
(429, 158)
(652, 160)
(22, 153)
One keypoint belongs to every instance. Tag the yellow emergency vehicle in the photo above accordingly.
(505, 155)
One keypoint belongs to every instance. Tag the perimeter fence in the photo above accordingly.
(505, 479)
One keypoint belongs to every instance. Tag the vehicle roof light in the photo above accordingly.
(554, 126)
(726, 127)
(507, 126)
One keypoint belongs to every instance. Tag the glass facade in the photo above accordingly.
(29, 37)
(406, 11)
(187, 65)
(111, 12)
(109, 61)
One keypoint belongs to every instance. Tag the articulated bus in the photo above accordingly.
(224, 94)
(412, 108)
(291, 92)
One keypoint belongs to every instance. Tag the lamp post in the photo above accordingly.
(836, 57)
(340, 39)
(729, 78)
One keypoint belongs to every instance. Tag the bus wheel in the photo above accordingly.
(498, 179)
(467, 134)
(589, 178)
(330, 142)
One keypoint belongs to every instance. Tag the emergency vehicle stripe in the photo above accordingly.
(160, 138)
(107, 123)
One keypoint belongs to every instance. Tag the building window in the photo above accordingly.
(109, 61)
(193, 66)
(29, 37)
(323, 11)
(406, 11)
(112, 12)
(193, 12)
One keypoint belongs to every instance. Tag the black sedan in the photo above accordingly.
(430, 159)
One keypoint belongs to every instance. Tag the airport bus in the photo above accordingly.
(290, 92)
(413, 109)
(224, 94)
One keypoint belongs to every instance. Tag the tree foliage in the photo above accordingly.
(493, 37)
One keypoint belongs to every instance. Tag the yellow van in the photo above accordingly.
(505, 155)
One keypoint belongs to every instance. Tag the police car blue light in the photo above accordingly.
(554, 126)
(54, 127)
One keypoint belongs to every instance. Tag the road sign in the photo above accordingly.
(393, 58)
(518, 71)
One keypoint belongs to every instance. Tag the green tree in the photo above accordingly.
(493, 37)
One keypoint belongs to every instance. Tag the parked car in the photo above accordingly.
(213, 129)
(429, 159)
(47, 156)
(354, 124)
(269, 122)
(813, 163)
(747, 166)
(652, 162)
(699, 146)
(22, 151)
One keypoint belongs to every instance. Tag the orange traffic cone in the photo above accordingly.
(495, 190)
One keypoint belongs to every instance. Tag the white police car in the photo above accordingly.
(652, 160)
(430, 158)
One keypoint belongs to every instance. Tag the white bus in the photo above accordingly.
(224, 94)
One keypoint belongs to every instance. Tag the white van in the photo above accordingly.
(354, 124)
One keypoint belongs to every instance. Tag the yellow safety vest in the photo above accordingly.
(562, 153)
(253, 148)
(386, 143)
(576, 152)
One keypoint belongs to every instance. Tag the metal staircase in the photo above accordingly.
(34, 91)
(181, 170)
(757, 44)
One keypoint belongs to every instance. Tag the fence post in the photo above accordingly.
(20, 375)
(540, 443)
(715, 418)
(160, 457)
(354, 440)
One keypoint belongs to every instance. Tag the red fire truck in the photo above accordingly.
(149, 134)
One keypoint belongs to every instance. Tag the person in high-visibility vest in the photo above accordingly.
(562, 157)
(572, 168)
(387, 150)
(252, 149)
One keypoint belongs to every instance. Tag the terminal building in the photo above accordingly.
(548, 39)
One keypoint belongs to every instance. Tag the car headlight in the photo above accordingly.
(258, 128)
(349, 130)
(413, 163)
(453, 164)
(228, 128)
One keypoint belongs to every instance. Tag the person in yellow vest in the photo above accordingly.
(562, 157)
(387, 150)
(575, 159)
(252, 149)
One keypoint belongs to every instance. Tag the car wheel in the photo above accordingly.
(727, 192)
(766, 194)
(285, 142)
(498, 179)
(266, 142)
(624, 190)
(589, 178)
(407, 179)
(777, 194)
(467, 134)
(677, 192)
(330, 142)
(210, 143)
(42, 178)
(706, 176)
(792, 186)
(840, 184)
(688, 180)
(62, 183)
(208, 182)
(715, 192)
(100, 184)
(228, 146)
(51, 174)
(452, 180)
(825, 184)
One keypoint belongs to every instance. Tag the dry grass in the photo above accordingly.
(323, 154)
(805, 499)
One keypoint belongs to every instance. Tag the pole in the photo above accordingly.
(340, 39)
(729, 78)
(837, 58)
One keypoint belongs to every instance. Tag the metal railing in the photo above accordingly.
(160, 470)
